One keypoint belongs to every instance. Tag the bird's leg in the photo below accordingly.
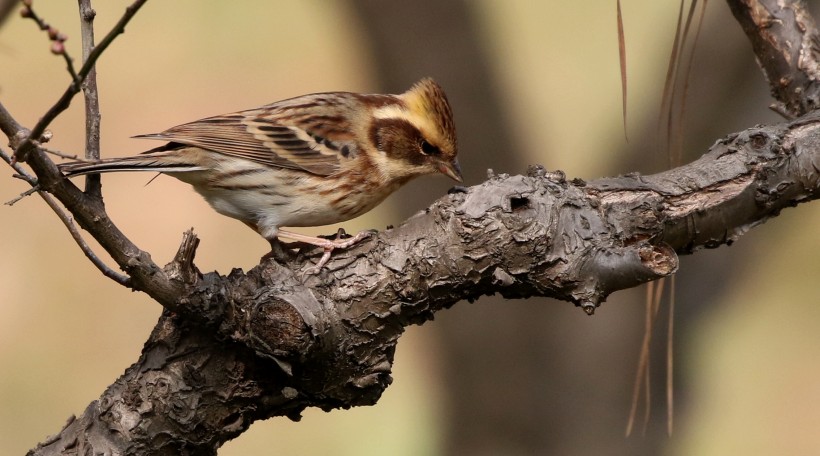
(279, 251)
(328, 245)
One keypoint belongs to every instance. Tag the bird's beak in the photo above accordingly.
(451, 170)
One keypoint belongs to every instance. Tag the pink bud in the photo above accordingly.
(57, 48)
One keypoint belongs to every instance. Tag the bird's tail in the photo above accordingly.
(158, 162)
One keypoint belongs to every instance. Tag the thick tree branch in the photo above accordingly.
(329, 339)
(277, 340)
(787, 45)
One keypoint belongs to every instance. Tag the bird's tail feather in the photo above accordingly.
(157, 163)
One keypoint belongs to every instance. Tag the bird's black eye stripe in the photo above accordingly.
(429, 149)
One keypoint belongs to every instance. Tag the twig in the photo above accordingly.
(21, 172)
(65, 100)
(143, 273)
(26, 193)
(69, 62)
(92, 104)
(29, 179)
(67, 220)
(57, 38)
(57, 153)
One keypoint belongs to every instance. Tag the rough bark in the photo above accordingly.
(787, 45)
(279, 340)
(271, 342)
(445, 40)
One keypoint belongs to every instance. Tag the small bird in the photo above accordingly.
(313, 160)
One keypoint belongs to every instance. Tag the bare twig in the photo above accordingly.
(65, 100)
(21, 172)
(69, 62)
(19, 197)
(93, 186)
(57, 38)
(67, 220)
(57, 153)
(89, 213)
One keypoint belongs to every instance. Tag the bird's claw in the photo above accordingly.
(333, 244)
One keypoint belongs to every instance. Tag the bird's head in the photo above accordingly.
(416, 134)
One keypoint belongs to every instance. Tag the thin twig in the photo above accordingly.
(26, 193)
(65, 100)
(93, 186)
(57, 39)
(57, 153)
(69, 62)
(29, 179)
(21, 172)
(145, 275)
(67, 220)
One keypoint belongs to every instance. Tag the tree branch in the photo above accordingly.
(93, 186)
(24, 147)
(277, 340)
(67, 221)
(89, 212)
(787, 44)
(328, 341)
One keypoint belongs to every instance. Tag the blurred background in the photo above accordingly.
(530, 82)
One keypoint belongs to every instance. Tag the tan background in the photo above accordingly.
(66, 332)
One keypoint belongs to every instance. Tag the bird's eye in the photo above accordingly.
(429, 149)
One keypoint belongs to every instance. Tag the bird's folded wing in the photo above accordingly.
(262, 139)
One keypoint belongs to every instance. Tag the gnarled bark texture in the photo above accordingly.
(276, 340)
(270, 342)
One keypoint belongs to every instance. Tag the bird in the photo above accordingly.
(316, 159)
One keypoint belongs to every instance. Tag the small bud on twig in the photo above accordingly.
(57, 48)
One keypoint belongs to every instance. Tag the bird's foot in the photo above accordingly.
(328, 245)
